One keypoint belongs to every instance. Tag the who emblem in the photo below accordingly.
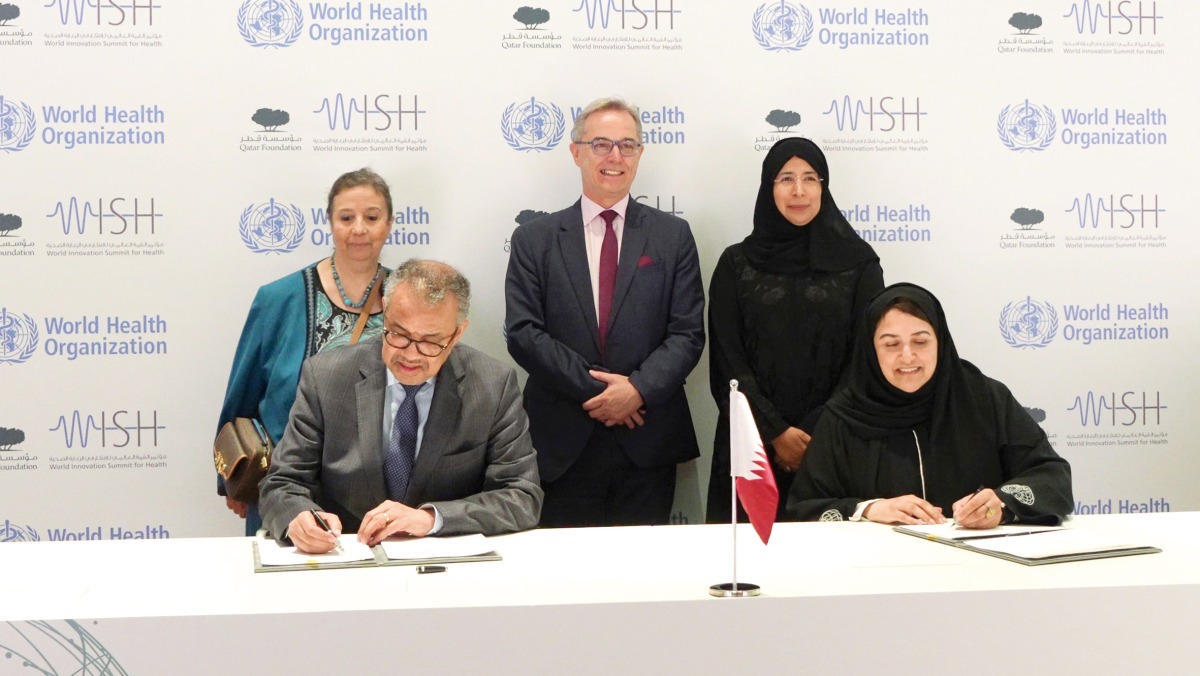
(532, 125)
(1026, 126)
(57, 647)
(17, 125)
(1028, 323)
(270, 23)
(783, 26)
(18, 337)
(272, 227)
(11, 532)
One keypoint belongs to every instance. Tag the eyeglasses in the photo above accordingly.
(806, 182)
(426, 348)
(603, 146)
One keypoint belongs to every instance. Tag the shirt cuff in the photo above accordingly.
(862, 507)
(437, 519)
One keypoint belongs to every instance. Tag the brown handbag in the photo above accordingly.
(242, 454)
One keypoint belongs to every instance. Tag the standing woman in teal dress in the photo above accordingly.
(309, 311)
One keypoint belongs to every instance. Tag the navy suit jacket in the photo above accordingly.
(655, 336)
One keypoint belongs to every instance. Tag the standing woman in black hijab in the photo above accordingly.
(916, 435)
(783, 304)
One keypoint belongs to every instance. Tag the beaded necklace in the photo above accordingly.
(366, 294)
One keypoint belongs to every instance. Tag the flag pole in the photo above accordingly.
(731, 589)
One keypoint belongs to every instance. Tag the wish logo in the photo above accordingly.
(1117, 212)
(11, 532)
(18, 337)
(18, 125)
(382, 112)
(1026, 126)
(108, 216)
(635, 15)
(881, 114)
(272, 227)
(1119, 409)
(104, 12)
(1123, 17)
(783, 26)
(1028, 323)
(270, 23)
(532, 125)
(117, 429)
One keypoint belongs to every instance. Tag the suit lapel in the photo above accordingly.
(368, 393)
(633, 245)
(445, 412)
(574, 252)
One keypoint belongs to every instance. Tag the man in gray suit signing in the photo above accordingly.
(410, 434)
(605, 311)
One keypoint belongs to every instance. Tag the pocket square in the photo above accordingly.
(644, 261)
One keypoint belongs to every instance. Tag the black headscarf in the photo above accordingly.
(955, 402)
(828, 243)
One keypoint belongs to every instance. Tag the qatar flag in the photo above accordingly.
(750, 468)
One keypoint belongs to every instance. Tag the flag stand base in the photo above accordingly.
(729, 590)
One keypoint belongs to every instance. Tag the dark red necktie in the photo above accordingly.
(608, 271)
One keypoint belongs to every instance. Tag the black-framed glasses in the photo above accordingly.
(425, 347)
(603, 146)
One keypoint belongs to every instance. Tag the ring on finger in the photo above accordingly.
(991, 511)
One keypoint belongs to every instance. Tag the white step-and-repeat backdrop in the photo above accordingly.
(1030, 162)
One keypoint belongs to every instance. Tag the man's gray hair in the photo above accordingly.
(607, 103)
(432, 280)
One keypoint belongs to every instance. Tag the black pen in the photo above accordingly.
(977, 490)
(337, 546)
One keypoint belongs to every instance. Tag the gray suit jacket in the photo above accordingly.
(476, 464)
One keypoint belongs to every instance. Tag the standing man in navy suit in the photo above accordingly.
(605, 311)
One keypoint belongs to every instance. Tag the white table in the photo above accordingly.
(846, 598)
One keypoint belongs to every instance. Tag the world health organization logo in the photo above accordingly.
(17, 125)
(272, 227)
(1026, 126)
(270, 23)
(783, 27)
(1028, 323)
(18, 337)
(11, 532)
(532, 125)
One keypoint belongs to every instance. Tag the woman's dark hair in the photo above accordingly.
(909, 307)
(353, 179)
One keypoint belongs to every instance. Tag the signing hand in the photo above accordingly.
(979, 510)
(906, 509)
(309, 537)
(619, 404)
(390, 518)
(790, 447)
